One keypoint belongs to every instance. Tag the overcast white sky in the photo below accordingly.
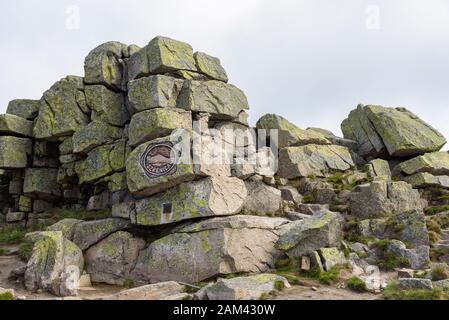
(310, 61)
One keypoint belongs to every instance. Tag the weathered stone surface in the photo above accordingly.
(103, 65)
(55, 264)
(24, 108)
(210, 66)
(214, 196)
(395, 132)
(89, 233)
(123, 210)
(436, 163)
(303, 237)
(15, 217)
(424, 180)
(262, 199)
(332, 257)
(93, 135)
(379, 168)
(25, 204)
(381, 197)
(216, 245)
(290, 134)
(107, 105)
(313, 160)
(15, 126)
(157, 291)
(290, 193)
(66, 226)
(139, 183)
(156, 123)
(96, 166)
(112, 259)
(219, 99)
(14, 152)
(241, 288)
(348, 143)
(62, 110)
(418, 258)
(414, 283)
(156, 91)
(41, 183)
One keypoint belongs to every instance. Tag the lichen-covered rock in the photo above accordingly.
(290, 134)
(262, 199)
(42, 183)
(66, 226)
(214, 196)
(303, 237)
(142, 184)
(424, 180)
(63, 110)
(14, 152)
(89, 233)
(418, 258)
(55, 264)
(242, 288)
(436, 163)
(221, 100)
(103, 65)
(414, 284)
(332, 257)
(159, 291)
(210, 66)
(313, 160)
(216, 245)
(156, 91)
(15, 126)
(24, 108)
(156, 123)
(382, 197)
(112, 259)
(93, 135)
(107, 105)
(12, 217)
(390, 132)
(96, 166)
(379, 168)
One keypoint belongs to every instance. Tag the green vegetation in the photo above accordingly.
(391, 262)
(61, 214)
(279, 285)
(10, 234)
(392, 292)
(436, 209)
(357, 284)
(6, 296)
(329, 277)
(309, 198)
(3, 251)
(129, 284)
(440, 272)
(25, 250)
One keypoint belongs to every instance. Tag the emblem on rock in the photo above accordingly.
(159, 160)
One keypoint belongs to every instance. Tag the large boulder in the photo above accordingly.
(93, 135)
(151, 167)
(112, 259)
(217, 247)
(389, 132)
(418, 258)
(210, 66)
(289, 134)
(41, 183)
(55, 264)
(15, 126)
(14, 152)
(436, 163)
(303, 237)
(262, 199)
(89, 233)
(382, 197)
(313, 160)
(242, 288)
(159, 291)
(221, 100)
(24, 108)
(156, 91)
(424, 180)
(156, 123)
(66, 226)
(63, 110)
(107, 105)
(214, 196)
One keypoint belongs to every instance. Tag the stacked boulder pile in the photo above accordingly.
(136, 136)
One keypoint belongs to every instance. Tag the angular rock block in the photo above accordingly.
(313, 160)
(156, 91)
(107, 106)
(221, 100)
(262, 199)
(24, 108)
(156, 123)
(436, 163)
(159, 291)
(290, 134)
(41, 183)
(216, 245)
(158, 165)
(388, 132)
(214, 196)
(93, 135)
(379, 168)
(63, 110)
(425, 180)
(14, 152)
(210, 66)
(15, 126)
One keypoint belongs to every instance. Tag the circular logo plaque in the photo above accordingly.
(159, 160)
